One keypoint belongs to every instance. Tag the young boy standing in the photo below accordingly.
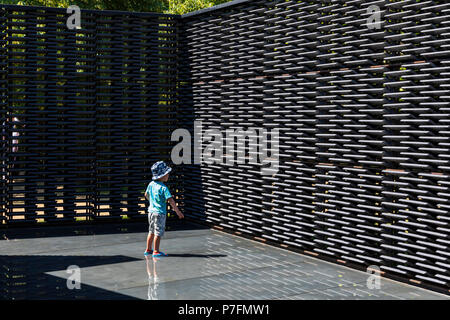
(158, 194)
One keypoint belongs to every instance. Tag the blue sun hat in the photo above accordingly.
(160, 169)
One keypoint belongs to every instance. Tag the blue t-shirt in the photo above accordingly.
(158, 193)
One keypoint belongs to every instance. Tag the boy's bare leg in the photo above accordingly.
(156, 244)
(149, 241)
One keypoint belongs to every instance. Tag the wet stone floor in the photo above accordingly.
(203, 264)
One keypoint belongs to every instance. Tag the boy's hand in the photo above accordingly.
(175, 207)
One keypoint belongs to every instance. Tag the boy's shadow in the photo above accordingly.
(192, 255)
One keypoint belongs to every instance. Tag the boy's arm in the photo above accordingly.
(146, 193)
(173, 205)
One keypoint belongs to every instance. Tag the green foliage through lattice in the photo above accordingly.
(162, 6)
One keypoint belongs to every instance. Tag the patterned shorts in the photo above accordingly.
(157, 223)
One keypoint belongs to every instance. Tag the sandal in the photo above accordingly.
(159, 254)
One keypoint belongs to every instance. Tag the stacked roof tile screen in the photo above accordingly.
(363, 115)
(92, 108)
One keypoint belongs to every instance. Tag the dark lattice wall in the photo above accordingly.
(364, 127)
(95, 108)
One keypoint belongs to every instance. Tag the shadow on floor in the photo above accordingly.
(24, 277)
(191, 255)
(92, 229)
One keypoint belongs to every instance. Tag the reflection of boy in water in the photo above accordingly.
(153, 280)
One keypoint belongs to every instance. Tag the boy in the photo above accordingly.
(157, 194)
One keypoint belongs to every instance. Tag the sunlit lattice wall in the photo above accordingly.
(364, 128)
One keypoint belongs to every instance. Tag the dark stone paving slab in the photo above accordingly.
(203, 264)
